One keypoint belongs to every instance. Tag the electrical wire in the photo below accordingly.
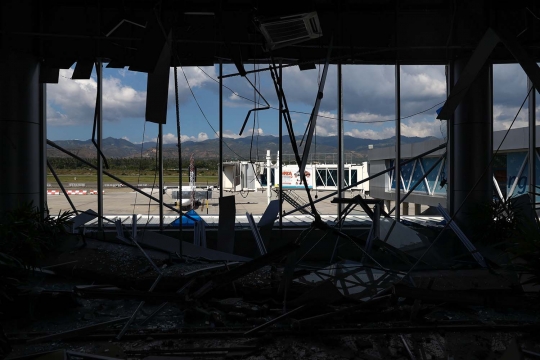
(329, 117)
(204, 115)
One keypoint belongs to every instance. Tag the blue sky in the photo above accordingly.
(368, 102)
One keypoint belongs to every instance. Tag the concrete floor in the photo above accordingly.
(120, 201)
(126, 201)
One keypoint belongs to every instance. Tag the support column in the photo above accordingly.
(20, 152)
(161, 185)
(532, 140)
(220, 175)
(99, 127)
(449, 164)
(405, 208)
(417, 209)
(43, 149)
(340, 168)
(397, 171)
(280, 154)
(472, 149)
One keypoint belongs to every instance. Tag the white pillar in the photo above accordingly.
(268, 176)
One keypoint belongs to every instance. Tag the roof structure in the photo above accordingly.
(132, 33)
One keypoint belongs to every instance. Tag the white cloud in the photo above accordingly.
(202, 136)
(371, 134)
(72, 102)
(234, 101)
(366, 117)
(170, 138)
(410, 129)
(423, 128)
(228, 134)
(125, 138)
(504, 115)
(326, 126)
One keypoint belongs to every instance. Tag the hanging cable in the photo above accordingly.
(331, 117)
(204, 115)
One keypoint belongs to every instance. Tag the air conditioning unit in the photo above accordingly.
(288, 30)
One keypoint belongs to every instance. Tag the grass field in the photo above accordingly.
(132, 179)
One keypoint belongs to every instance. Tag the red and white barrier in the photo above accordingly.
(74, 192)
(77, 192)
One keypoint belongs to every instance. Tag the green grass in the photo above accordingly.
(132, 179)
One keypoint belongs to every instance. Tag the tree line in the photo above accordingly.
(130, 164)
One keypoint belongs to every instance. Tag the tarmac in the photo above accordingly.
(124, 201)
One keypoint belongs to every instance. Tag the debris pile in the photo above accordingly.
(138, 298)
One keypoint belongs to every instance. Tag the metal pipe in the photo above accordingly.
(532, 139)
(61, 186)
(280, 156)
(312, 123)
(161, 185)
(99, 71)
(368, 178)
(341, 170)
(49, 142)
(397, 172)
(220, 129)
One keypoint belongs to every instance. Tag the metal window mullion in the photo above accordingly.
(390, 178)
(332, 178)
(99, 73)
(497, 187)
(402, 182)
(437, 178)
(532, 136)
(161, 183)
(424, 173)
(412, 173)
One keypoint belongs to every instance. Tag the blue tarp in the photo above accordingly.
(186, 222)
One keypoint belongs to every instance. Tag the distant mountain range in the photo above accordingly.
(233, 149)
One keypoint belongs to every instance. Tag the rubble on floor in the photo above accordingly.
(112, 300)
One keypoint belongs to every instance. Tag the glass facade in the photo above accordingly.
(510, 171)
(412, 172)
(517, 175)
